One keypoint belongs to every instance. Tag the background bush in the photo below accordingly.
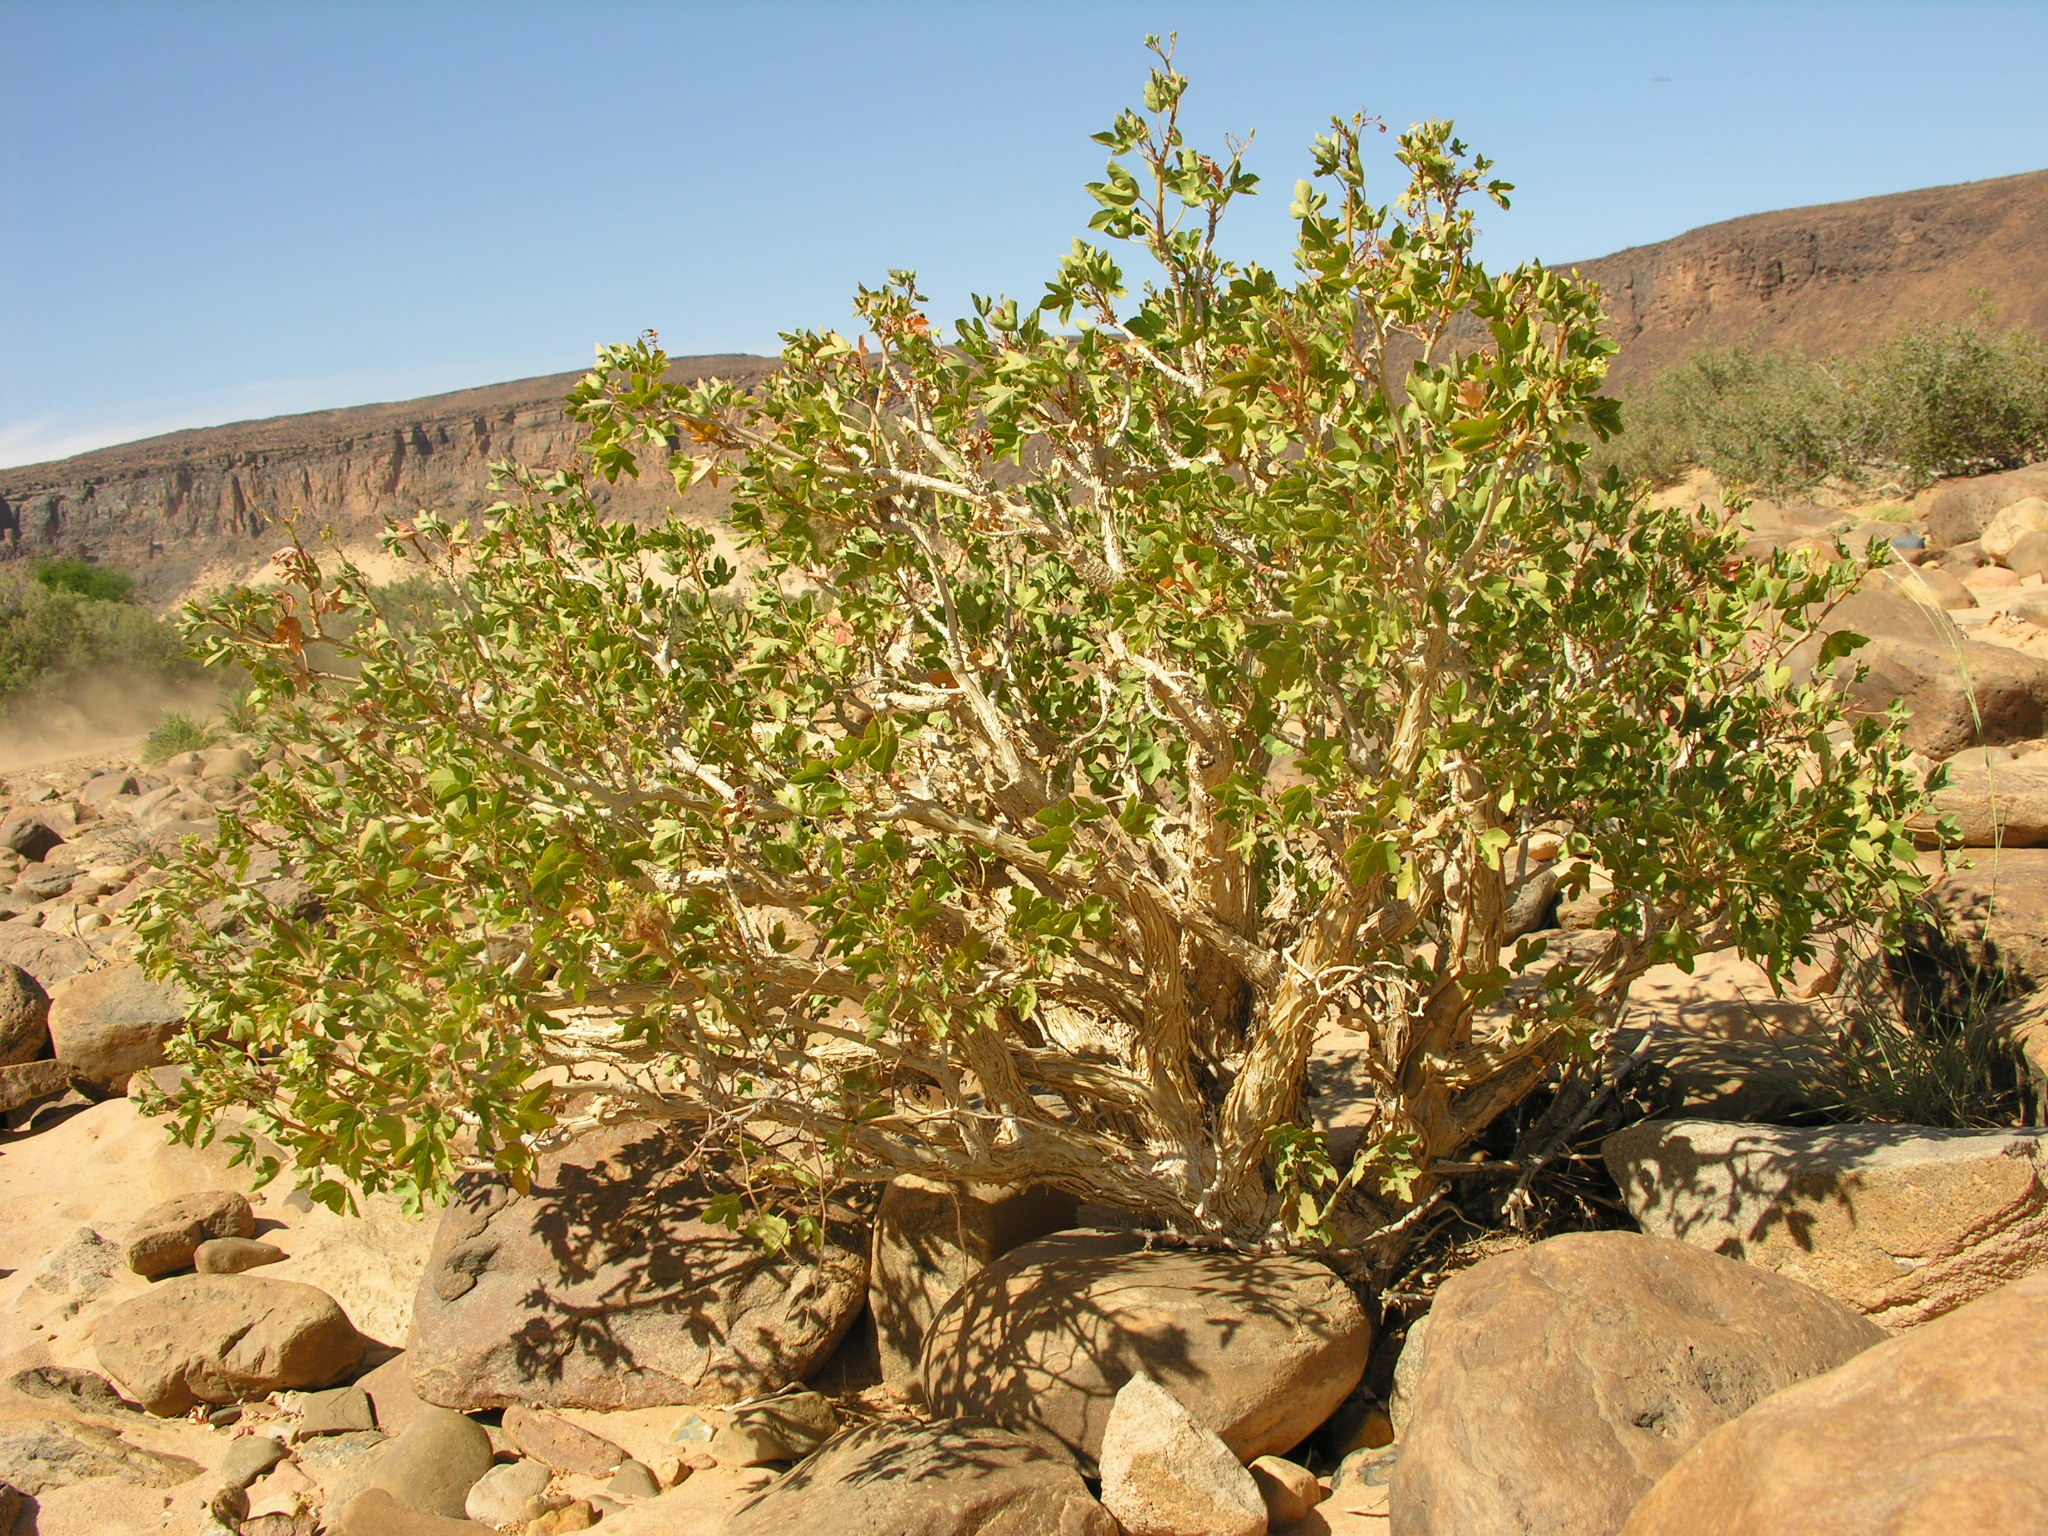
(1932, 401)
(54, 636)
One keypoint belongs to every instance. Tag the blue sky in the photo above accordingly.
(217, 211)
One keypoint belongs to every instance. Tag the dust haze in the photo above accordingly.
(107, 713)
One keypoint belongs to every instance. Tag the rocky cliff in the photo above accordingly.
(197, 506)
(1835, 277)
(200, 506)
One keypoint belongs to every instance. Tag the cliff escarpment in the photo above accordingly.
(1833, 278)
(194, 507)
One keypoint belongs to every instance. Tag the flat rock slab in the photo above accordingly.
(1942, 1431)
(946, 1479)
(1903, 1223)
(1260, 1349)
(603, 1288)
(1558, 1383)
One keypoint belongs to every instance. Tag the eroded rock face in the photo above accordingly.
(1942, 1431)
(1901, 1222)
(1556, 1384)
(603, 1289)
(1261, 1350)
(225, 1339)
(947, 1479)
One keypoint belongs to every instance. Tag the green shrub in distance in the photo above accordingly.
(1931, 401)
(1126, 688)
(88, 579)
(177, 732)
(55, 641)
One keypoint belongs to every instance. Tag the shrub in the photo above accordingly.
(1933, 401)
(87, 579)
(1923, 1036)
(53, 639)
(177, 732)
(1123, 693)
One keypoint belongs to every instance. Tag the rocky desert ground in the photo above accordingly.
(1798, 1325)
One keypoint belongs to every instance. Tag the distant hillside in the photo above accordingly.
(1831, 278)
(195, 505)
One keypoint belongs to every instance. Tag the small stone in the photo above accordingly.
(249, 1458)
(564, 1446)
(221, 1418)
(509, 1495)
(435, 1462)
(233, 1255)
(24, 1083)
(30, 836)
(1165, 1473)
(340, 1411)
(633, 1480)
(1289, 1489)
(577, 1515)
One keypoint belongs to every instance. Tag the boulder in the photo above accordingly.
(1996, 908)
(946, 1479)
(168, 1235)
(24, 1016)
(1961, 692)
(1942, 1431)
(1901, 1222)
(24, 1084)
(30, 834)
(931, 1239)
(604, 1288)
(46, 955)
(1935, 586)
(1956, 511)
(1261, 1349)
(225, 1339)
(108, 1025)
(564, 1446)
(1957, 696)
(1993, 804)
(2029, 554)
(784, 1428)
(1557, 1383)
(509, 1495)
(434, 1463)
(2011, 523)
(1288, 1488)
(1165, 1473)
